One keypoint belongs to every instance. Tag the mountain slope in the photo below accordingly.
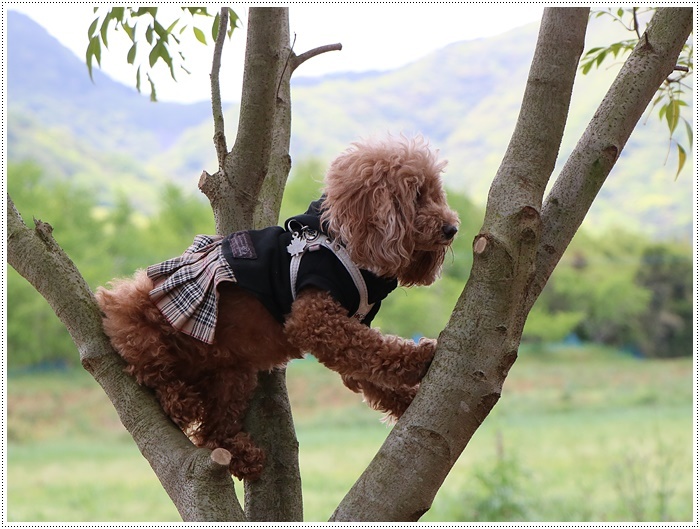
(48, 81)
(465, 98)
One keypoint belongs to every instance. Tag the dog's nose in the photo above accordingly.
(449, 231)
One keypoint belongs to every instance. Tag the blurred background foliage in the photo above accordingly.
(619, 289)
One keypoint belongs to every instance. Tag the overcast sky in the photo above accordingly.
(374, 37)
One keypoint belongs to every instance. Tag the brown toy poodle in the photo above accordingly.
(198, 328)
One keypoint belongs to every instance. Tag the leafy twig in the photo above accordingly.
(670, 93)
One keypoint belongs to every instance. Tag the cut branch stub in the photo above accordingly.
(221, 456)
(480, 244)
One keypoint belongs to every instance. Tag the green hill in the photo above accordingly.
(465, 98)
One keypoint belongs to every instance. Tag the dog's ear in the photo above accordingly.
(370, 204)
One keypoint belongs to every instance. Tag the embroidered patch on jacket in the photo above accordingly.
(242, 245)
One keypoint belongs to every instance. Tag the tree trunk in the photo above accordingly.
(514, 253)
(246, 193)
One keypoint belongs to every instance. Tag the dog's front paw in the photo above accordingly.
(425, 352)
(426, 348)
(399, 403)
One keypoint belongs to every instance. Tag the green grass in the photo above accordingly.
(582, 434)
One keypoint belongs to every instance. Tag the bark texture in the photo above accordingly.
(235, 188)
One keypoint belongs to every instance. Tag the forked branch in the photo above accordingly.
(477, 348)
(588, 166)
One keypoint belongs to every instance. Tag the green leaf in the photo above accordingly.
(149, 34)
(153, 89)
(165, 55)
(131, 55)
(662, 111)
(592, 51)
(199, 34)
(689, 132)
(104, 28)
(89, 53)
(172, 26)
(155, 53)
(215, 27)
(160, 30)
(93, 27)
(138, 79)
(129, 30)
(601, 57)
(681, 159)
(93, 52)
(673, 114)
(232, 21)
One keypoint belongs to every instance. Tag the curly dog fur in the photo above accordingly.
(385, 202)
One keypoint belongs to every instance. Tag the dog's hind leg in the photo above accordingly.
(225, 397)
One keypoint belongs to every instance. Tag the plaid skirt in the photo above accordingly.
(185, 287)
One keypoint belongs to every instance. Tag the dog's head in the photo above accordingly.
(384, 200)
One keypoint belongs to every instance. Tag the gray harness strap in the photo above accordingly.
(308, 240)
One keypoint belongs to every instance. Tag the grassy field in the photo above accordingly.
(580, 434)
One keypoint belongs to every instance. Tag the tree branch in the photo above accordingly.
(298, 60)
(652, 60)
(479, 345)
(200, 489)
(217, 111)
(532, 152)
